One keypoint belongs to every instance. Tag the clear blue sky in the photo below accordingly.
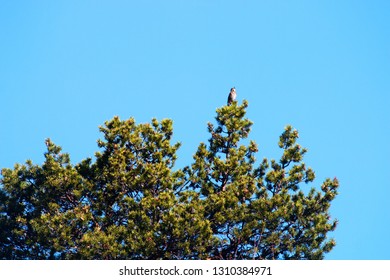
(321, 66)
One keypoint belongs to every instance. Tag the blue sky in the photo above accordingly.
(321, 66)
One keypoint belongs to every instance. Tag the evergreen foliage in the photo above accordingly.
(130, 203)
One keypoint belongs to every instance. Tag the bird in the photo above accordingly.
(232, 95)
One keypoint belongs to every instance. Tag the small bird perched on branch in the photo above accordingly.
(232, 95)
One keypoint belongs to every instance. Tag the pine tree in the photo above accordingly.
(129, 202)
(41, 217)
(260, 212)
(133, 197)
